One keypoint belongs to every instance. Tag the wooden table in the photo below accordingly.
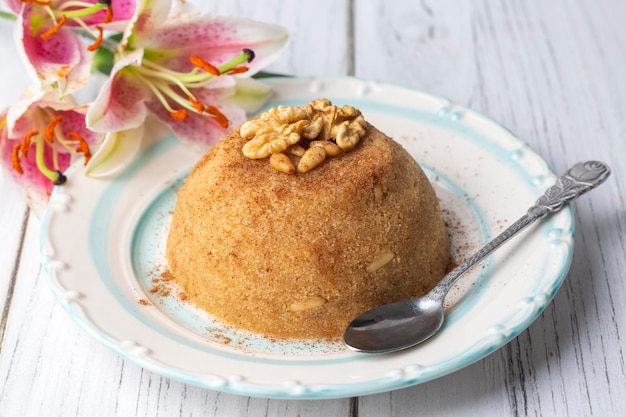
(554, 72)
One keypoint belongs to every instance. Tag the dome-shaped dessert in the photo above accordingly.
(301, 255)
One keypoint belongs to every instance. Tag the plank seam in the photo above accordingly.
(351, 53)
(12, 280)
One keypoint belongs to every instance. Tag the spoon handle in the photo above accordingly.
(582, 177)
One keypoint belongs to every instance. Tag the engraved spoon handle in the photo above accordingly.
(582, 177)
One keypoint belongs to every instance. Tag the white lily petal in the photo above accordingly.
(117, 151)
(106, 115)
(18, 39)
(183, 10)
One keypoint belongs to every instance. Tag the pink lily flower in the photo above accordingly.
(40, 136)
(53, 52)
(183, 67)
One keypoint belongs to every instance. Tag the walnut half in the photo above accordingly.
(316, 124)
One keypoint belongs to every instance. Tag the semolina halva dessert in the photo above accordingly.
(302, 219)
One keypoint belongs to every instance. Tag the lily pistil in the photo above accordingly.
(48, 136)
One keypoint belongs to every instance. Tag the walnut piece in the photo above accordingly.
(295, 130)
(273, 132)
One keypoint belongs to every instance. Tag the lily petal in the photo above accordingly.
(123, 11)
(19, 117)
(117, 151)
(201, 131)
(120, 102)
(165, 68)
(18, 125)
(149, 16)
(15, 5)
(216, 39)
(35, 185)
(61, 61)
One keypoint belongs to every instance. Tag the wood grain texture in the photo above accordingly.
(13, 210)
(552, 72)
(549, 71)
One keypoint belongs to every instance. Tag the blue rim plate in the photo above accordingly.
(102, 242)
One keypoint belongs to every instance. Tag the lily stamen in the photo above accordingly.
(37, 2)
(47, 35)
(49, 131)
(83, 146)
(109, 16)
(179, 115)
(165, 76)
(162, 81)
(237, 70)
(157, 88)
(204, 65)
(197, 104)
(246, 56)
(94, 46)
(77, 11)
(180, 78)
(48, 143)
(25, 145)
(218, 116)
(40, 141)
(15, 159)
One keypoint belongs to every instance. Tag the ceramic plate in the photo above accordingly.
(102, 244)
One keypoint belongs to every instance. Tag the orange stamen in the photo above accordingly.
(197, 104)
(204, 65)
(15, 159)
(94, 46)
(48, 133)
(109, 16)
(37, 2)
(83, 146)
(55, 29)
(237, 70)
(218, 116)
(25, 145)
(179, 115)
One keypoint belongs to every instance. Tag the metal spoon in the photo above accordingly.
(404, 324)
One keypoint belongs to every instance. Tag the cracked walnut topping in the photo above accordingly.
(311, 132)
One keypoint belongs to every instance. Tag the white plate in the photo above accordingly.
(102, 247)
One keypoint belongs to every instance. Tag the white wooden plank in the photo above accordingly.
(13, 210)
(13, 213)
(319, 35)
(550, 71)
(51, 367)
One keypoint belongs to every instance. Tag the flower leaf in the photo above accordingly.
(266, 74)
(104, 58)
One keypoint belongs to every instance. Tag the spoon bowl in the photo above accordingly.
(395, 326)
(404, 324)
